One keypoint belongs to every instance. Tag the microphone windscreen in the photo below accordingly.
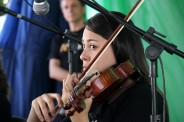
(41, 8)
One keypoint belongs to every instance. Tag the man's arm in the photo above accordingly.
(56, 71)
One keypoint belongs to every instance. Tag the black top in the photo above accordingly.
(134, 105)
(60, 49)
(5, 112)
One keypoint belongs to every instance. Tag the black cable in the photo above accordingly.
(164, 90)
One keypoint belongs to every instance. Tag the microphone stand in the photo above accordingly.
(71, 52)
(70, 57)
(152, 52)
(17, 15)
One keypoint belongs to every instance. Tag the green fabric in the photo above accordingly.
(167, 17)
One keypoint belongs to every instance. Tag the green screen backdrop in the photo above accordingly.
(167, 17)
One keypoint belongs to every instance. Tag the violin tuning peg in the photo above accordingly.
(81, 92)
(88, 94)
(87, 88)
(70, 112)
(67, 106)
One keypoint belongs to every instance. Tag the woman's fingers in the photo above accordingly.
(37, 110)
(68, 85)
(44, 106)
(69, 82)
(65, 94)
(50, 104)
(57, 97)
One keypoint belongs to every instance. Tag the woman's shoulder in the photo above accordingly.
(139, 91)
(142, 91)
(137, 97)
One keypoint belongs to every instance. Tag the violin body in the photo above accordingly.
(113, 80)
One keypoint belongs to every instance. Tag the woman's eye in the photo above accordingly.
(92, 46)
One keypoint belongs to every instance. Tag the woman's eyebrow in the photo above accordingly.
(89, 40)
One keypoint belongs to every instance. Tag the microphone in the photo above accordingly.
(41, 7)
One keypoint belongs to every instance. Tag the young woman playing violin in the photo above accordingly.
(131, 105)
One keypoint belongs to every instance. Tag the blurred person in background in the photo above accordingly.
(73, 12)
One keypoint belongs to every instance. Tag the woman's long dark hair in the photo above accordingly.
(126, 46)
(3, 82)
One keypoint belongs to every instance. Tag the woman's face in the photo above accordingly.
(92, 43)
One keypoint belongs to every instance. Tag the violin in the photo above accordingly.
(102, 87)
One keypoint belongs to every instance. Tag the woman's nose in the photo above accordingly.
(84, 56)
